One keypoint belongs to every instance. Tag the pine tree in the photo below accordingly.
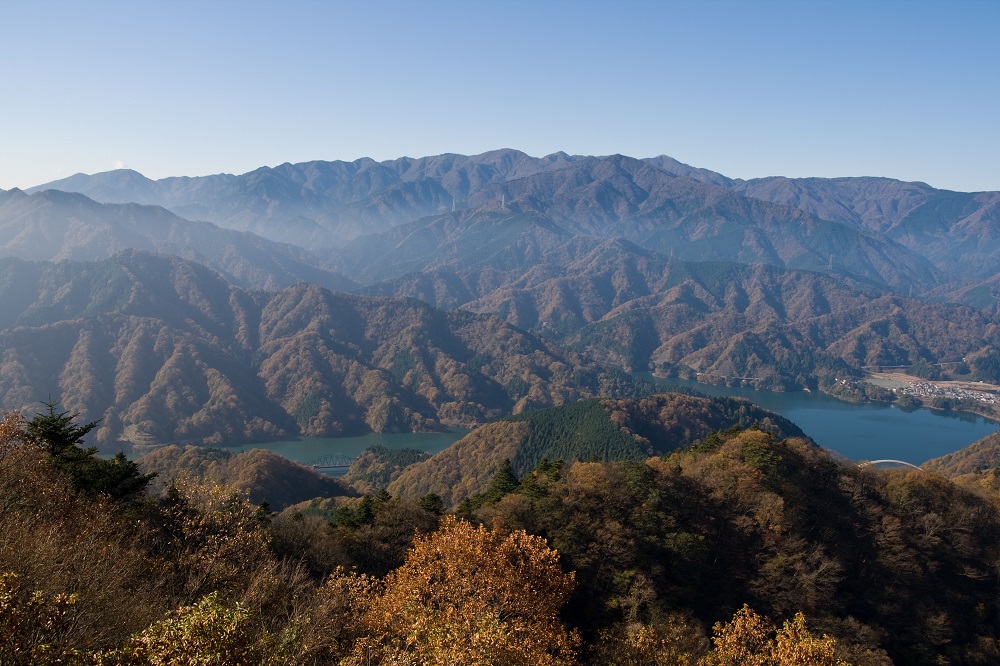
(60, 436)
(365, 512)
(57, 432)
(504, 483)
(433, 503)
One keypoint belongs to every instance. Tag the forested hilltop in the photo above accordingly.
(742, 546)
(595, 430)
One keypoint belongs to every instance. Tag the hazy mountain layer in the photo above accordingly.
(54, 226)
(905, 235)
(314, 203)
(958, 231)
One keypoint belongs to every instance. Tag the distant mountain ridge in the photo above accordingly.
(958, 228)
(662, 203)
(52, 226)
(680, 217)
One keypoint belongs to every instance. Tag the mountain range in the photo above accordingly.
(587, 262)
(52, 225)
(658, 202)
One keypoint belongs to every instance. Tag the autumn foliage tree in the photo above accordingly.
(471, 595)
(32, 624)
(208, 633)
(751, 640)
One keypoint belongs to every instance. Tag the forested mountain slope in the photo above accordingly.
(893, 560)
(636, 558)
(979, 457)
(637, 308)
(775, 354)
(264, 475)
(162, 349)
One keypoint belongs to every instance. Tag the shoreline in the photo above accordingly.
(990, 414)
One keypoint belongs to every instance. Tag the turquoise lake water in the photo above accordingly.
(877, 431)
(857, 431)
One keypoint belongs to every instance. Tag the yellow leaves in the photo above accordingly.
(795, 645)
(744, 641)
(207, 633)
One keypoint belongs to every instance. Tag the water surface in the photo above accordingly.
(307, 450)
(877, 431)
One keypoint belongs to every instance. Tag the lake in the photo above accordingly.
(877, 431)
(306, 450)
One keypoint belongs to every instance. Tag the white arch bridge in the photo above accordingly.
(866, 463)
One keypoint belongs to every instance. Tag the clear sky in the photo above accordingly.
(906, 89)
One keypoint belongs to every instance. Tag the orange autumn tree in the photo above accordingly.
(471, 595)
(751, 640)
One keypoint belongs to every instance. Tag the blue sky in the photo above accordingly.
(908, 90)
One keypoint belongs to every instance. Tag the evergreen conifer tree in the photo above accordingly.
(62, 438)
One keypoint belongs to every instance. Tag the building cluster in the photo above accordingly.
(928, 390)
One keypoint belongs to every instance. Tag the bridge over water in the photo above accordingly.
(331, 462)
(888, 462)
